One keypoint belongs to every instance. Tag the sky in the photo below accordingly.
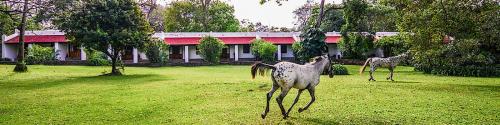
(269, 13)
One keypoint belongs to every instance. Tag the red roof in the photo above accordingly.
(183, 40)
(236, 40)
(332, 39)
(39, 39)
(280, 40)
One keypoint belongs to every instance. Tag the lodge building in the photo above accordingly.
(182, 45)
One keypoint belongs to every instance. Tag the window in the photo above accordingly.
(197, 50)
(246, 48)
(283, 49)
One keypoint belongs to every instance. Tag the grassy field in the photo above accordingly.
(228, 95)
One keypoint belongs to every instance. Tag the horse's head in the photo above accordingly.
(325, 62)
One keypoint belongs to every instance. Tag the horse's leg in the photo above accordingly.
(269, 95)
(280, 98)
(313, 98)
(295, 101)
(390, 73)
(372, 69)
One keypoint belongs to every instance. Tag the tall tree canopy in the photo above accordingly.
(106, 26)
(189, 16)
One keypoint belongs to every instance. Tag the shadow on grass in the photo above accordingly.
(383, 81)
(322, 121)
(103, 80)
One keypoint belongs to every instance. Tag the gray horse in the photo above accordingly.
(286, 75)
(389, 62)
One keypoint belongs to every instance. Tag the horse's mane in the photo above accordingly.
(314, 60)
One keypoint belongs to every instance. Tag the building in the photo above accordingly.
(183, 45)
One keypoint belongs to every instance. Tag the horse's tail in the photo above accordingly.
(261, 67)
(364, 66)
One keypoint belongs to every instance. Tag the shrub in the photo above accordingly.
(339, 69)
(156, 51)
(264, 50)
(313, 44)
(392, 45)
(296, 47)
(210, 49)
(97, 58)
(40, 55)
(459, 58)
(356, 46)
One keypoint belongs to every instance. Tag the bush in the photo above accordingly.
(97, 58)
(313, 44)
(393, 45)
(40, 55)
(339, 69)
(357, 46)
(157, 52)
(296, 47)
(210, 49)
(264, 50)
(459, 58)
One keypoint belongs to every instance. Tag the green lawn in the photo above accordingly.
(228, 95)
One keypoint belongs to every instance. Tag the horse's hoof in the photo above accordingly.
(301, 110)
(263, 116)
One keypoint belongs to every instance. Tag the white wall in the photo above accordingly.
(333, 50)
(244, 55)
(192, 53)
(63, 51)
(10, 51)
(289, 51)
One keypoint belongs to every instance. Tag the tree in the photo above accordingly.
(106, 26)
(313, 43)
(154, 13)
(333, 19)
(473, 25)
(189, 16)
(211, 49)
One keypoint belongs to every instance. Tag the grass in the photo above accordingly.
(227, 95)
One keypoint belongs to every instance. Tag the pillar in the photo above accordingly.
(56, 47)
(135, 55)
(236, 53)
(83, 55)
(186, 54)
(279, 52)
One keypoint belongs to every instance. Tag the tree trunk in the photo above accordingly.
(21, 66)
(114, 59)
(205, 4)
(321, 13)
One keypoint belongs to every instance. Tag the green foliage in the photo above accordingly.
(339, 69)
(264, 50)
(355, 12)
(189, 16)
(157, 52)
(460, 58)
(96, 58)
(356, 46)
(393, 45)
(7, 24)
(40, 55)
(469, 23)
(211, 49)
(296, 48)
(312, 45)
(332, 21)
(106, 25)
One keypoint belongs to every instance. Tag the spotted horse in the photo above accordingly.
(287, 75)
(389, 62)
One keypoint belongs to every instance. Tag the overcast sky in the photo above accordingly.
(269, 13)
